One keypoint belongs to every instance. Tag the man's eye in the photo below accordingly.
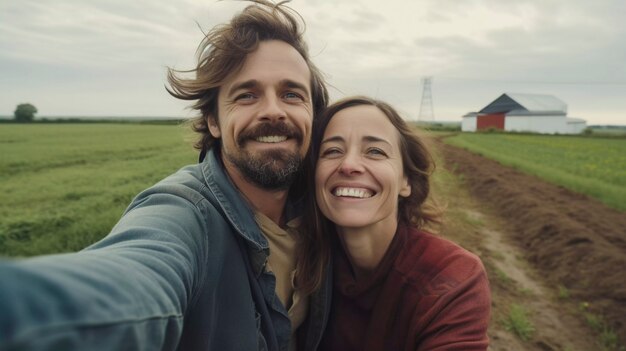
(245, 97)
(292, 96)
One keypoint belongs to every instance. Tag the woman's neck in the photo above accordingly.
(366, 247)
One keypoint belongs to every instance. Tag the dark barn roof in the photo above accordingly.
(526, 104)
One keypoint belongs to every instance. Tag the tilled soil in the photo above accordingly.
(572, 240)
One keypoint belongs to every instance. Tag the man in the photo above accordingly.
(188, 266)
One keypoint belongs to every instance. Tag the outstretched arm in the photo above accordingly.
(128, 291)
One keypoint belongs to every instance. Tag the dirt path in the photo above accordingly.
(559, 254)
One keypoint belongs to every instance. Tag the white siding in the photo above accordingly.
(468, 124)
(537, 124)
(575, 125)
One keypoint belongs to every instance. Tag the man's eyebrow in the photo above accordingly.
(295, 85)
(253, 83)
(248, 84)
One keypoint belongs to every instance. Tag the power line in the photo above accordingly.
(534, 81)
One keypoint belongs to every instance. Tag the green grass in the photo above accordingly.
(517, 321)
(607, 338)
(503, 277)
(592, 166)
(564, 292)
(64, 186)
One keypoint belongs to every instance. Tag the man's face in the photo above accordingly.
(265, 116)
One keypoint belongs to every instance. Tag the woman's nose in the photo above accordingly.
(351, 164)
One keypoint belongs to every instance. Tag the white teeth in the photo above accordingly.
(271, 139)
(352, 192)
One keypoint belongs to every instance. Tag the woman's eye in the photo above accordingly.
(330, 152)
(376, 152)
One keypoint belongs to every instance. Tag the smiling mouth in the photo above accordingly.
(358, 193)
(271, 133)
(271, 139)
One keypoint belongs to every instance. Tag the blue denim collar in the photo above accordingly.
(231, 202)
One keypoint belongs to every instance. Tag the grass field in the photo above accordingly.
(592, 166)
(63, 186)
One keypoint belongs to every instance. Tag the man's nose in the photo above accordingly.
(272, 109)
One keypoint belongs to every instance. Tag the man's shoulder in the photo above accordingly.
(187, 183)
(190, 175)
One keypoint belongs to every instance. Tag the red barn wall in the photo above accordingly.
(494, 120)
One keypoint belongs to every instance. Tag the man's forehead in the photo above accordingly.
(273, 61)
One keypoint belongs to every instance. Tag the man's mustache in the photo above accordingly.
(270, 128)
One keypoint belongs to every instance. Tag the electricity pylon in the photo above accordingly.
(427, 114)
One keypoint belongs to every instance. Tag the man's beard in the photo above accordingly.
(271, 169)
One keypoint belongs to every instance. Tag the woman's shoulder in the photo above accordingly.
(436, 263)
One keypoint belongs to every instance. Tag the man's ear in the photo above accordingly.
(214, 127)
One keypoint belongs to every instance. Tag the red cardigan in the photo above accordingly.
(427, 294)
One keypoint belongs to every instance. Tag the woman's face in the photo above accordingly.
(359, 174)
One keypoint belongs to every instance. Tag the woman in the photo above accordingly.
(396, 287)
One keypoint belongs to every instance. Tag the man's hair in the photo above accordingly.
(223, 52)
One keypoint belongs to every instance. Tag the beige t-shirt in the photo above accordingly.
(282, 262)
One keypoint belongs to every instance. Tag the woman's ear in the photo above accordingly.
(405, 188)
(214, 127)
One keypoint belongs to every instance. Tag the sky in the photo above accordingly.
(109, 57)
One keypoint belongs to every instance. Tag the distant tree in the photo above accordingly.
(25, 112)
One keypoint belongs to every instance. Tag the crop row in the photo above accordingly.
(592, 166)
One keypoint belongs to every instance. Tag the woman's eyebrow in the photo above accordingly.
(373, 139)
(331, 139)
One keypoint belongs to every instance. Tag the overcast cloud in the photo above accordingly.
(109, 58)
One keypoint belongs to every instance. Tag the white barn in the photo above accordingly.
(524, 113)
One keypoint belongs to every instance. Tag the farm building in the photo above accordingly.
(524, 113)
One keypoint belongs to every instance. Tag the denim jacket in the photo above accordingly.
(183, 269)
